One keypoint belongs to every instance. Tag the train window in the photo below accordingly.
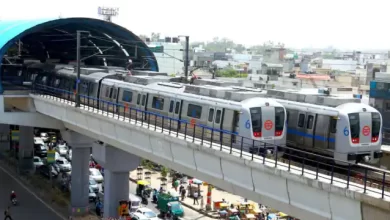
(56, 83)
(177, 108)
(171, 106)
(333, 125)
(157, 103)
(84, 88)
(218, 116)
(354, 123)
(310, 121)
(107, 92)
(211, 115)
(138, 99)
(111, 91)
(44, 80)
(256, 119)
(301, 120)
(376, 124)
(127, 96)
(194, 111)
(144, 100)
(279, 118)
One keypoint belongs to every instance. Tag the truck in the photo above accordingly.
(169, 203)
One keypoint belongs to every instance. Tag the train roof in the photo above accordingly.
(178, 90)
(92, 74)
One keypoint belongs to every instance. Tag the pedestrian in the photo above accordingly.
(196, 195)
(183, 194)
(99, 208)
(181, 188)
(7, 214)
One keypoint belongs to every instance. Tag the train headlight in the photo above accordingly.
(366, 158)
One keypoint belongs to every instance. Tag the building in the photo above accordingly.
(380, 97)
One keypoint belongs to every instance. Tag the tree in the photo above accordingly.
(143, 37)
(239, 48)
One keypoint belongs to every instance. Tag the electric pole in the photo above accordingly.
(186, 60)
(78, 69)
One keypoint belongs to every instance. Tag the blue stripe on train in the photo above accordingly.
(316, 137)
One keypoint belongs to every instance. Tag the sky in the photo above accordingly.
(343, 24)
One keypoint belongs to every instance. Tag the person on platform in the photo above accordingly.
(7, 214)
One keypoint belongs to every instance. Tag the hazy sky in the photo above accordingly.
(345, 24)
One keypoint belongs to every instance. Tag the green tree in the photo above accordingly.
(164, 172)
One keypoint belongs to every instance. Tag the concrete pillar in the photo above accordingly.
(116, 188)
(117, 165)
(26, 148)
(81, 150)
(4, 137)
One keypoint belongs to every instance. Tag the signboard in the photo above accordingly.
(51, 154)
(108, 11)
(268, 125)
(15, 135)
(366, 130)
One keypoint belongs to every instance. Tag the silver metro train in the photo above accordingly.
(328, 124)
(233, 123)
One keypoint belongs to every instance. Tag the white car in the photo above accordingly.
(44, 136)
(96, 175)
(148, 213)
(64, 164)
(38, 162)
(138, 216)
(62, 149)
(38, 140)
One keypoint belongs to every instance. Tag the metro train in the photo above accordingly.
(229, 122)
(349, 132)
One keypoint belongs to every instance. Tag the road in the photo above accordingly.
(30, 207)
(189, 214)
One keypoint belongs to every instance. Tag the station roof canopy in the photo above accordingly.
(105, 43)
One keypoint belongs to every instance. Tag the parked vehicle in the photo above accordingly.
(40, 150)
(92, 195)
(44, 170)
(93, 185)
(38, 162)
(64, 165)
(62, 149)
(96, 175)
(148, 213)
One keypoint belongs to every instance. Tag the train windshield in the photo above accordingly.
(279, 120)
(354, 123)
(256, 121)
(376, 126)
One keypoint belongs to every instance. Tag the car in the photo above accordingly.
(38, 162)
(64, 164)
(44, 170)
(44, 136)
(40, 150)
(93, 185)
(148, 213)
(96, 175)
(62, 149)
(92, 195)
(38, 140)
(138, 216)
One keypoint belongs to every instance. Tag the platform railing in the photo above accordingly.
(368, 180)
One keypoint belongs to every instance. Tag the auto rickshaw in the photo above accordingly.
(143, 185)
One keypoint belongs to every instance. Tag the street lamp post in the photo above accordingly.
(78, 57)
(186, 57)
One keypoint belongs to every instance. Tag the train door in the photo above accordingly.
(301, 129)
(268, 116)
(210, 121)
(113, 99)
(310, 128)
(332, 133)
(218, 120)
(174, 112)
(365, 128)
(236, 125)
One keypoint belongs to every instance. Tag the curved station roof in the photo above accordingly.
(102, 43)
